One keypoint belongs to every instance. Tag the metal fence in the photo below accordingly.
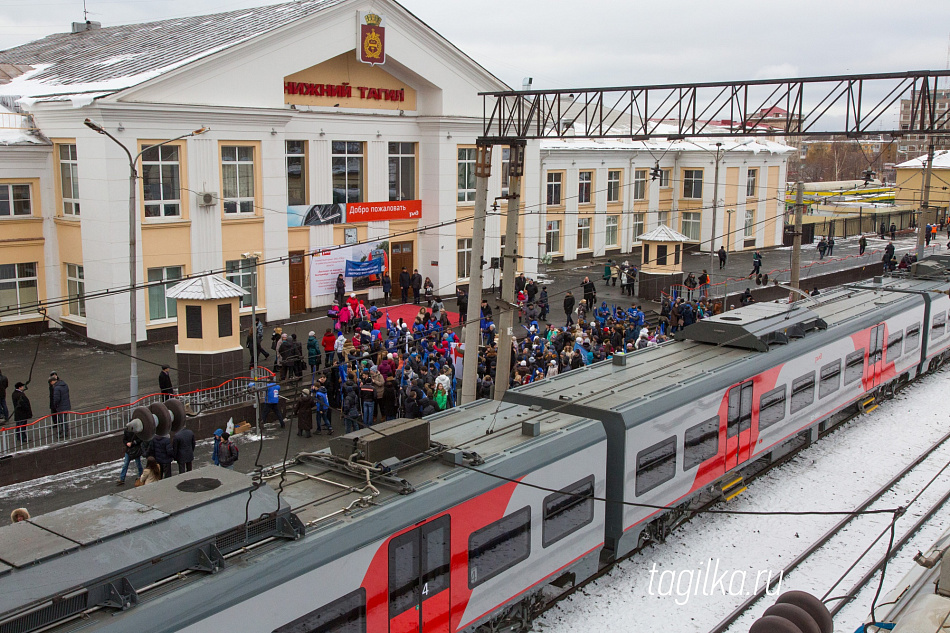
(73, 425)
(815, 268)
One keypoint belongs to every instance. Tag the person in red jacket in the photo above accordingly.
(329, 338)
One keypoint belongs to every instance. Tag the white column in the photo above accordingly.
(206, 251)
(569, 196)
(274, 197)
(599, 228)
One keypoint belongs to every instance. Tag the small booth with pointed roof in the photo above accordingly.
(661, 262)
(209, 347)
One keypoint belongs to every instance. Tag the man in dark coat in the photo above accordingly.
(161, 449)
(339, 292)
(416, 283)
(569, 307)
(59, 404)
(590, 292)
(722, 257)
(405, 281)
(183, 449)
(303, 408)
(133, 452)
(22, 410)
(165, 383)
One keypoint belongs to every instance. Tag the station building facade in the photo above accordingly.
(336, 130)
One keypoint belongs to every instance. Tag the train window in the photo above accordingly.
(830, 379)
(803, 392)
(567, 511)
(772, 407)
(912, 338)
(346, 615)
(656, 465)
(853, 366)
(404, 561)
(436, 557)
(499, 546)
(894, 343)
(939, 327)
(702, 442)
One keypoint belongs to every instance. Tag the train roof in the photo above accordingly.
(482, 434)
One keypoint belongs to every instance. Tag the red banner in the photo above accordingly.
(379, 211)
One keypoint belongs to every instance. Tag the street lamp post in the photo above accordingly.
(133, 175)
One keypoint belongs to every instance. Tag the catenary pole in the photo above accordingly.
(923, 218)
(797, 237)
(506, 320)
(472, 335)
(715, 207)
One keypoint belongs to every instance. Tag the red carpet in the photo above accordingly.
(407, 312)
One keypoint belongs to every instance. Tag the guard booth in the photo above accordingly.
(209, 346)
(661, 262)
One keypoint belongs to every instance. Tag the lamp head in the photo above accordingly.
(200, 130)
(95, 127)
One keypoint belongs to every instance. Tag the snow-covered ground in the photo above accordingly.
(673, 586)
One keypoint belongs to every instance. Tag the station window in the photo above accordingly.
(466, 173)
(585, 181)
(894, 343)
(803, 392)
(402, 171)
(345, 615)
(15, 200)
(613, 185)
(772, 407)
(19, 288)
(499, 546)
(664, 179)
(237, 172)
(854, 366)
(347, 168)
(830, 379)
(69, 178)
(912, 338)
(611, 234)
(554, 188)
(567, 511)
(638, 227)
(701, 443)
(583, 234)
(76, 290)
(656, 465)
(693, 183)
(640, 184)
(296, 163)
(750, 183)
(161, 181)
(939, 327)
(241, 272)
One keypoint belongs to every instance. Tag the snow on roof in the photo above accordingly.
(663, 233)
(941, 161)
(205, 288)
(118, 57)
(15, 129)
(661, 144)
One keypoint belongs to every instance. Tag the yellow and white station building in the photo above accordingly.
(328, 123)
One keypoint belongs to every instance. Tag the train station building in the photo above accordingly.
(336, 136)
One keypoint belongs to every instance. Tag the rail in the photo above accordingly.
(73, 425)
(827, 536)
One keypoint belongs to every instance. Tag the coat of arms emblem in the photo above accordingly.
(371, 48)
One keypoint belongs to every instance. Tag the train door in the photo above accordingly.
(876, 355)
(419, 592)
(739, 425)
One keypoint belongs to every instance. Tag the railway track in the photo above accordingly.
(829, 536)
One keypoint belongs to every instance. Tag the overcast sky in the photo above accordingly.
(612, 42)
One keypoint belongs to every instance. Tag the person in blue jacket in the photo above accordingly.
(272, 403)
(323, 409)
(217, 442)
